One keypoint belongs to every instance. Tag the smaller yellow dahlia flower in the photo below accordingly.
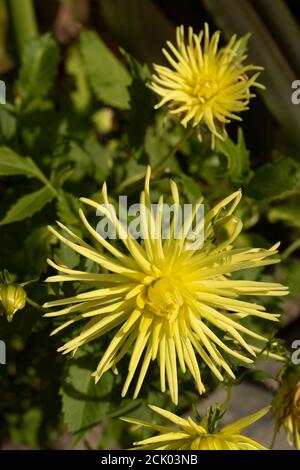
(286, 405)
(192, 436)
(205, 83)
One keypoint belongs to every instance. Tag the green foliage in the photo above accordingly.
(288, 213)
(38, 70)
(8, 123)
(274, 179)
(141, 104)
(84, 404)
(12, 164)
(28, 431)
(28, 205)
(109, 78)
(81, 96)
(237, 156)
(61, 136)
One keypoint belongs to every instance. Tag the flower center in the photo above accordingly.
(164, 299)
(205, 89)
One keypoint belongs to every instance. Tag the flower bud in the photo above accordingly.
(12, 298)
(286, 405)
(227, 229)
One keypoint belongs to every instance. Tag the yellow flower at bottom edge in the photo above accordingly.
(205, 83)
(192, 436)
(163, 300)
(286, 405)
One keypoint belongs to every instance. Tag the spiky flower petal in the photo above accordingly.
(192, 436)
(164, 301)
(205, 83)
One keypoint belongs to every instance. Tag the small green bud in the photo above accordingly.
(104, 120)
(226, 229)
(12, 299)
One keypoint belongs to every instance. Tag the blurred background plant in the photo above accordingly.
(78, 113)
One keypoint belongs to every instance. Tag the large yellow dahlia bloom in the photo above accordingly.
(163, 301)
(192, 436)
(205, 83)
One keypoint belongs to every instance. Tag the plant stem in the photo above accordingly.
(35, 305)
(28, 283)
(274, 437)
(290, 249)
(24, 20)
(173, 151)
(157, 170)
(6, 62)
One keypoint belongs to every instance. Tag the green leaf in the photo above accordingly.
(85, 403)
(100, 157)
(67, 208)
(37, 247)
(109, 78)
(12, 164)
(81, 96)
(256, 375)
(92, 159)
(66, 256)
(274, 179)
(38, 70)
(141, 103)
(28, 205)
(289, 213)
(237, 155)
(242, 45)
(8, 122)
(27, 431)
(80, 161)
(291, 275)
(190, 188)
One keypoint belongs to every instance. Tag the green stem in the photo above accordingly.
(290, 249)
(52, 188)
(227, 401)
(157, 169)
(35, 305)
(173, 151)
(274, 437)
(24, 20)
(132, 180)
(6, 62)
(28, 283)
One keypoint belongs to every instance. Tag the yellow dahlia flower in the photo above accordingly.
(192, 436)
(205, 83)
(286, 405)
(163, 301)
